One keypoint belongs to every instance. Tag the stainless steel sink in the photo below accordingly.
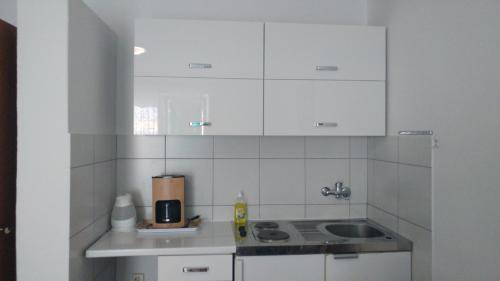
(342, 231)
(359, 230)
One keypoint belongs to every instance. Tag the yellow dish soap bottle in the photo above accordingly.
(240, 210)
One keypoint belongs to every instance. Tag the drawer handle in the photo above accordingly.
(327, 68)
(200, 65)
(195, 269)
(346, 256)
(325, 124)
(199, 124)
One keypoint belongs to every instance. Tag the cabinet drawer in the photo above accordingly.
(185, 48)
(280, 268)
(315, 51)
(197, 106)
(337, 108)
(370, 267)
(195, 268)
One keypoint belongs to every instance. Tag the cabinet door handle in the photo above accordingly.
(200, 65)
(195, 269)
(327, 68)
(325, 124)
(346, 256)
(199, 124)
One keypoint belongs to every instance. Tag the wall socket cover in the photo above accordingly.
(138, 277)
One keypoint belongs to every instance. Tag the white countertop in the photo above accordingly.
(211, 238)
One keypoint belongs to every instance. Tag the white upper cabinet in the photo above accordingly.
(187, 106)
(186, 48)
(333, 52)
(315, 108)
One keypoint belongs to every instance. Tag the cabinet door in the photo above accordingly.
(314, 51)
(280, 268)
(369, 267)
(337, 108)
(182, 48)
(197, 106)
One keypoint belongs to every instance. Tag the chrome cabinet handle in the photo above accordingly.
(200, 65)
(346, 256)
(327, 68)
(195, 269)
(325, 124)
(199, 124)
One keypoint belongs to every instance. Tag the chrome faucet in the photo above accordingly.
(340, 191)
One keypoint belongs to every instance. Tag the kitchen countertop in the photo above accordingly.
(312, 241)
(211, 238)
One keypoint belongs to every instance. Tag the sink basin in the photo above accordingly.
(354, 230)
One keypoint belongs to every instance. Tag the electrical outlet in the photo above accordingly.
(138, 277)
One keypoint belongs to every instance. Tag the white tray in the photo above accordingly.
(167, 230)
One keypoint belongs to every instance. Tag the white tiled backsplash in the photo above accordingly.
(93, 190)
(400, 193)
(280, 176)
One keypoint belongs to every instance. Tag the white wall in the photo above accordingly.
(443, 69)
(43, 176)
(8, 11)
(92, 72)
(120, 16)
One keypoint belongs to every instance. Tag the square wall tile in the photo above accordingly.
(82, 150)
(101, 225)
(144, 213)
(104, 147)
(134, 176)
(234, 175)
(327, 147)
(422, 250)
(383, 148)
(358, 147)
(282, 212)
(141, 147)
(282, 147)
(109, 273)
(81, 199)
(415, 150)
(236, 147)
(357, 211)
(104, 188)
(359, 180)
(382, 218)
(226, 213)
(415, 199)
(198, 182)
(383, 186)
(282, 181)
(189, 147)
(327, 211)
(205, 212)
(80, 268)
(325, 172)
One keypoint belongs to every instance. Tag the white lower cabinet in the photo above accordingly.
(280, 268)
(336, 108)
(195, 268)
(197, 106)
(369, 267)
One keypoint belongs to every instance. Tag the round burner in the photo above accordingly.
(266, 225)
(272, 235)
